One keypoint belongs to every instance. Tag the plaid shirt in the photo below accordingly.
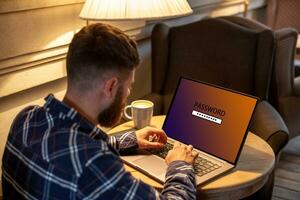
(52, 152)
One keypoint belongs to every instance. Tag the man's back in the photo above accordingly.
(47, 150)
(53, 153)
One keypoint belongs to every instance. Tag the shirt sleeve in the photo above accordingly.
(124, 142)
(104, 177)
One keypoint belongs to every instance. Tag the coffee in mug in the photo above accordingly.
(141, 113)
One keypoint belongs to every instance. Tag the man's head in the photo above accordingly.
(101, 63)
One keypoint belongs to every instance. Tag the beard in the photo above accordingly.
(112, 115)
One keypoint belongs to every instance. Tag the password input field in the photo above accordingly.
(206, 117)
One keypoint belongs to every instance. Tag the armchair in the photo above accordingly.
(285, 87)
(224, 53)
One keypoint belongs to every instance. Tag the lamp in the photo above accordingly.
(246, 6)
(134, 9)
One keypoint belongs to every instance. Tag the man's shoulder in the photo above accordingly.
(25, 115)
(29, 110)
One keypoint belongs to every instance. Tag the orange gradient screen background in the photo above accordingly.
(222, 140)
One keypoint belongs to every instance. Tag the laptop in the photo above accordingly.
(214, 120)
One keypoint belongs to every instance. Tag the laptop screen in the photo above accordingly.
(212, 119)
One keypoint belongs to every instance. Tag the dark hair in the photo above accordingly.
(99, 48)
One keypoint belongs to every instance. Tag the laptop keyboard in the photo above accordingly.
(202, 166)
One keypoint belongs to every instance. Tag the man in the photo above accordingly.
(57, 151)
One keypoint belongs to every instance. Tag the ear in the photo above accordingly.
(110, 87)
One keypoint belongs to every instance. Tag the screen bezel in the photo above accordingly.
(230, 90)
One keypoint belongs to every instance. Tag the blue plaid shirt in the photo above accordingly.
(52, 152)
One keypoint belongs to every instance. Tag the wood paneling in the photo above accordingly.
(36, 33)
(9, 6)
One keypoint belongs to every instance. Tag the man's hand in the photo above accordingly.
(150, 137)
(181, 152)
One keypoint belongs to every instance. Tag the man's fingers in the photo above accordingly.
(160, 134)
(189, 148)
(195, 154)
(176, 145)
(157, 145)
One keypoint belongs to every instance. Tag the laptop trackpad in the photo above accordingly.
(152, 164)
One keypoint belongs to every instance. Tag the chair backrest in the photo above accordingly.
(282, 93)
(213, 50)
(284, 72)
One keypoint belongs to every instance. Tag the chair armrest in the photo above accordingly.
(268, 124)
(157, 99)
(289, 108)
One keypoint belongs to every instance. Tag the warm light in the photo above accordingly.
(246, 7)
(134, 9)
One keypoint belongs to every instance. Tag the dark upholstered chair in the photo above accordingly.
(286, 88)
(224, 53)
(285, 94)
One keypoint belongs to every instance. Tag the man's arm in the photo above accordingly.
(104, 177)
(124, 142)
(144, 138)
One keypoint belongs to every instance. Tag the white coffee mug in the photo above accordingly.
(141, 113)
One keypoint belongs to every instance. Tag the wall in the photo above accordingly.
(34, 38)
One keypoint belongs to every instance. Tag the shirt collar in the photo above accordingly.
(66, 113)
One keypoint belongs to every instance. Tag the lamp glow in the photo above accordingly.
(134, 9)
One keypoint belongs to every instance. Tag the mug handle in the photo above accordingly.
(127, 116)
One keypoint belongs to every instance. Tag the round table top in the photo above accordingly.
(255, 164)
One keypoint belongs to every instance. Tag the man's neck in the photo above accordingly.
(79, 105)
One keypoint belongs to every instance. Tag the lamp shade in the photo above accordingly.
(134, 9)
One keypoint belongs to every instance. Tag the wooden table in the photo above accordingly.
(255, 164)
